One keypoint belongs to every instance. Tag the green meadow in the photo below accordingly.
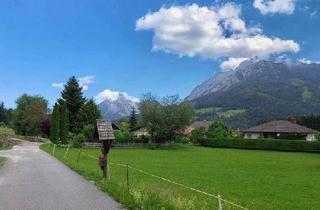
(253, 179)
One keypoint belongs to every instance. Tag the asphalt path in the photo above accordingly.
(32, 179)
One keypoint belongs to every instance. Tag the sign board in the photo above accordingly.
(105, 130)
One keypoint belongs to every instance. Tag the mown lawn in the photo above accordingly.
(253, 179)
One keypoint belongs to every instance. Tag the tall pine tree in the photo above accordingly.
(133, 119)
(3, 113)
(72, 95)
(55, 125)
(64, 122)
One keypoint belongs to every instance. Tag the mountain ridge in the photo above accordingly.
(265, 90)
(113, 108)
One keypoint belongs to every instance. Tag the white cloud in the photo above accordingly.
(275, 6)
(306, 61)
(113, 96)
(231, 63)
(58, 85)
(85, 81)
(283, 59)
(314, 13)
(211, 33)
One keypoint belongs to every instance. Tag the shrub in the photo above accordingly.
(145, 139)
(87, 131)
(264, 144)
(123, 136)
(197, 135)
(5, 133)
(218, 130)
(77, 140)
(182, 139)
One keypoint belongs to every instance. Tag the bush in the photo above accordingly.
(197, 135)
(5, 133)
(77, 140)
(87, 131)
(145, 139)
(264, 144)
(182, 139)
(218, 130)
(123, 136)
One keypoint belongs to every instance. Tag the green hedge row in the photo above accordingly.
(264, 144)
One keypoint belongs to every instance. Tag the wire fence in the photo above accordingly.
(127, 167)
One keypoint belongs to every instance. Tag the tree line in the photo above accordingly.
(72, 116)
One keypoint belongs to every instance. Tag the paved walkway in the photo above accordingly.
(32, 179)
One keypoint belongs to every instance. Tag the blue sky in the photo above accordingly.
(46, 42)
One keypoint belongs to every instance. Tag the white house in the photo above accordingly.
(281, 129)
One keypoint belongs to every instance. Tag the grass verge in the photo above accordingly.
(2, 160)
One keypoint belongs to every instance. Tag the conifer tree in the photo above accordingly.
(64, 122)
(73, 96)
(55, 125)
(133, 119)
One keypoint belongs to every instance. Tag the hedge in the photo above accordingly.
(264, 144)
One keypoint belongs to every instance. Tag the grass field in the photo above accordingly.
(253, 179)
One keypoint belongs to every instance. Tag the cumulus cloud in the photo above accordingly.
(211, 33)
(231, 63)
(113, 96)
(306, 61)
(58, 85)
(275, 6)
(84, 82)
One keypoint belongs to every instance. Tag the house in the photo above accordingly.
(281, 129)
(197, 124)
(141, 132)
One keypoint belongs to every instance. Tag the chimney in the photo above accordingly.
(293, 120)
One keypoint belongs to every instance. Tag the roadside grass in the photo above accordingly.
(2, 160)
(5, 146)
(253, 179)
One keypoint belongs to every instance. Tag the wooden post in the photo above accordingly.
(128, 177)
(65, 154)
(219, 201)
(79, 155)
(54, 149)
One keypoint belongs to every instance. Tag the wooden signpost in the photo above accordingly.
(105, 134)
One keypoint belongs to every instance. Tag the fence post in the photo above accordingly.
(108, 171)
(65, 154)
(54, 148)
(219, 201)
(79, 155)
(128, 177)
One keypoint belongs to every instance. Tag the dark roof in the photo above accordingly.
(117, 126)
(280, 126)
(201, 124)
